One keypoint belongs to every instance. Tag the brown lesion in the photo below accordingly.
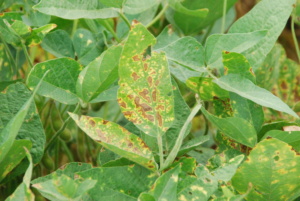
(105, 122)
(136, 58)
(154, 95)
(159, 118)
(92, 123)
(150, 81)
(135, 76)
(122, 103)
(144, 94)
(145, 66)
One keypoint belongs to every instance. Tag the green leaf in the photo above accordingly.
(38, 34)
(53, 44)
(117, 139)
(165, 187)
(192, 144)
(271, 168)
(186, 51)
(247, 89)
(206, 88)
(235, 42)
(112, 182)
(290, 137)
(145, 94)
(23, 191)
(273, 15)
(17, 123)
(166, 37)
(64, 188)
(235, 128)
(138, 6)
(35, 18)
(85, 46)
(73, 9)
(14, 157)
(99, 74)
(60, 83)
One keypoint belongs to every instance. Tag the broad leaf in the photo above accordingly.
(112, 182)
(38, 34)
(235, 128)
(73, 9)
(145, 94)
(236, 42)
(53, 44)
(272, 15)
(247, 89)
(20, 120)
(60, 83)
(138, 6)
(117, 139)
(267, 169)
(14, 157)
(99, 74)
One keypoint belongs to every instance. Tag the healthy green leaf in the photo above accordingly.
(271, 15)
(145, 95)
(99, 74)
(235, 42)
(235, 128)
(17, 123)
(73, 9)
(60, 83)
(53, 44)
(271, 168)
(117, 139)
(247, 89)
(138, 6)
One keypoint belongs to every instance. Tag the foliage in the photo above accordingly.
(147, 100)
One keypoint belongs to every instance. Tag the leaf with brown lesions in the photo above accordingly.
(145, 94)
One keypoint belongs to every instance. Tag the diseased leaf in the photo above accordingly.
(145, 95)
(38, 34)
(271, 168)
(53, 44)
(117, 139)
(74, 9)
(245, 88)
(14, 157)
(60, 83)
(29, 126)
(112, 182)
(99, 74)
(235, 128)
(270, 15)
(235, 42)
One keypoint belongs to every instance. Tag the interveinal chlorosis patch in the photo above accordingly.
(116, 138)
(273, 170)
(145, 95)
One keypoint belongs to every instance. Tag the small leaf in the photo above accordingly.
(145, 95)
(267, 169)
(60, 83)
(117, 139)
(38, 34)
(247, 89)
(235, 128)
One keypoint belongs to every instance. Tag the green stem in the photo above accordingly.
(11, 58)
(224, 17)
(27, 56)
(207, 33)
(112, 31)
(125, 19)
(67, 151)
(74, 28)
(161, 149)
(180, 138)
(61, 129)
(294, 37)
(158, 16)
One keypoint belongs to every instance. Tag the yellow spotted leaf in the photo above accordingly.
(272, 169)
(117, 139)
(145, 94)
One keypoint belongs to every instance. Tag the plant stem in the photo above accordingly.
(27, 57)
(112, 31)
(207, 33)
(224, 17)
(180, 138)
(158, 16)
(67, 151)
(74, 28)
(125, 19)
(11, 58)
(295, 37)
(161, 149)
(61, 129)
